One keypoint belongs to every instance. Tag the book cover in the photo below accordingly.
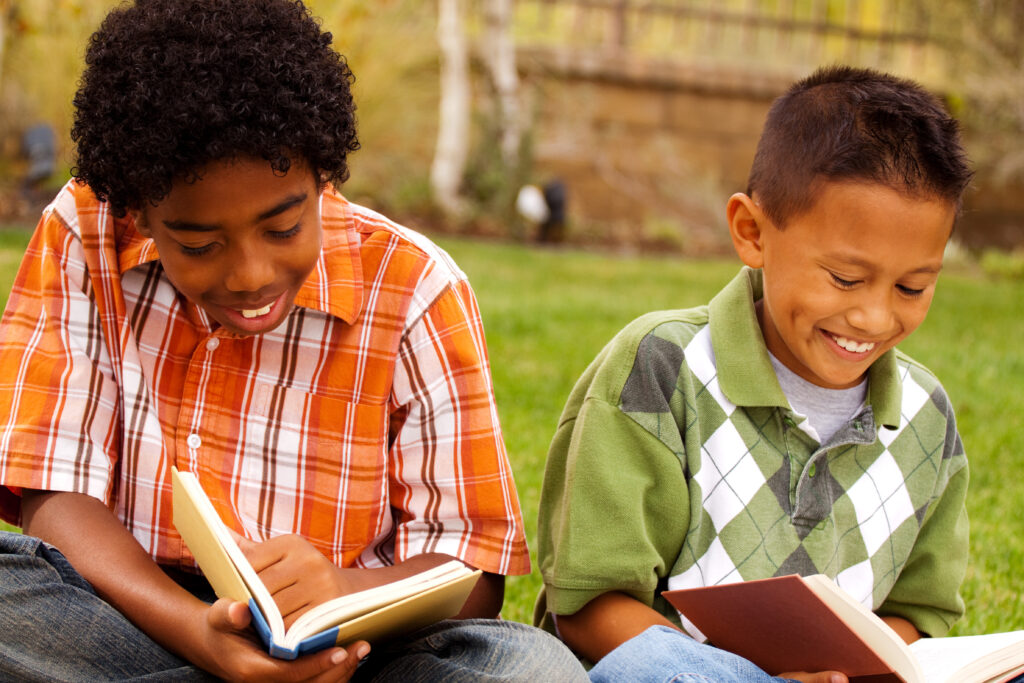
(781, 624)
(794, 623)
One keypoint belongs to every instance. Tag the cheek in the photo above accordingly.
(914, 315)
(302, 262)
(190, 279)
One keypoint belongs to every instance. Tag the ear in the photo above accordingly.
(141, 222)
(747, 224)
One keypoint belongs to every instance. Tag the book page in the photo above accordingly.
(953, 659)
(349, 606)
(389, 612)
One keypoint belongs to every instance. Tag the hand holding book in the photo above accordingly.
(299, 577)
(317, 620)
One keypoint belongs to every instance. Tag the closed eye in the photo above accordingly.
(285, 234)
(909, 291)
(196, 251)
(841, 283)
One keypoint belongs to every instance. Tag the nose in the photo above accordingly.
(874, 314)
(249, 270)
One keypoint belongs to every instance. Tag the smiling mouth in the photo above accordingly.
(255, 312)
(851, 345)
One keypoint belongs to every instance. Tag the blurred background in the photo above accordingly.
(634, 119)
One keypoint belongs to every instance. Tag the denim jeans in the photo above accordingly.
(53, 627)
(664, 655)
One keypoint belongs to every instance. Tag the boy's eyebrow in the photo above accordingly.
(287, 203)
(868, 265)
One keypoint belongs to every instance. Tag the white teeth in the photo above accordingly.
(853, 346)
(248, 313)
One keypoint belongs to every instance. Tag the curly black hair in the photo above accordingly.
(172, 85)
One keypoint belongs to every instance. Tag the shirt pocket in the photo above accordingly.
(316, 466)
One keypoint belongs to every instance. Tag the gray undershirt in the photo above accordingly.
(826, 410)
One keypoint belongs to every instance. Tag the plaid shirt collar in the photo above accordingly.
(745, 372)
(340, 294)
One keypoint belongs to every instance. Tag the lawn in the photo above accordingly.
(547, 313)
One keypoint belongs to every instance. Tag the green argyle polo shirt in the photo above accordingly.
(679, 463)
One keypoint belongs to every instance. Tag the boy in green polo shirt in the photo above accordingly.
(776, 430)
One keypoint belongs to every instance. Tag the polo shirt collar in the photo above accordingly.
(745, 372)
(334, 287)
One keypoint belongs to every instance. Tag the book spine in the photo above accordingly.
(315, 643)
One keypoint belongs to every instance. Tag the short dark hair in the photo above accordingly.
(172, 85)
(849, 124)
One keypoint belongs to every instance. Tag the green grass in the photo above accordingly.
(548, 312)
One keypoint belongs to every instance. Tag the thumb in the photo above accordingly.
(229, 615)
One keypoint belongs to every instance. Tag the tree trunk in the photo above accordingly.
(453, 127)
(500, 52)
(5, 8)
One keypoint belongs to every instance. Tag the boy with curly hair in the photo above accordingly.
(776, 430)
(200, 296)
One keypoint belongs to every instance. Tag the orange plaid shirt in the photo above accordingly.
(365, 422)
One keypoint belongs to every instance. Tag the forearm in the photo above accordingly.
(103, 551)
(904, 629)
(606, 622)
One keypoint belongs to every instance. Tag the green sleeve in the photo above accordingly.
(614, 506)
(927, 592)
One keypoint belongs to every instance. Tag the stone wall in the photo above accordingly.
(650, 151)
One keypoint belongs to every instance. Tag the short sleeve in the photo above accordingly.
(58, 398)
(451, 483)
(614, 506)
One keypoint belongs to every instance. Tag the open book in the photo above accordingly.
(373, 614)
(794, 623)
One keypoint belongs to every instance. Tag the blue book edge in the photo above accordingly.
(315, 643)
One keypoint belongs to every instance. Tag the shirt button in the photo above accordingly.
(813, 469)
(212, 344)
(194, 441)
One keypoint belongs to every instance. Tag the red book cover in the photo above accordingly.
(781, 625)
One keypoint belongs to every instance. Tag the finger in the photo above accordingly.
(228, 615)
(345, 662)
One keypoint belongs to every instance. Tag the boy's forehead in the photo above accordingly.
(831, 197)
(869, 223)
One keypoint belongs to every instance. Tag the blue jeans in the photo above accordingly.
(664, 655)
(53, 627)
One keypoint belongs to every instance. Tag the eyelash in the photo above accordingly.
(841, 283)
(205, 249)
(907, 291)
(285, 234)
(196, 251)
(850, 284)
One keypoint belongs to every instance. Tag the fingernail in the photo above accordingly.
(339, 657)
(362, 651)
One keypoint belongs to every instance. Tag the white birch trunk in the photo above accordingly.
(500, 52)
(453, 128)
